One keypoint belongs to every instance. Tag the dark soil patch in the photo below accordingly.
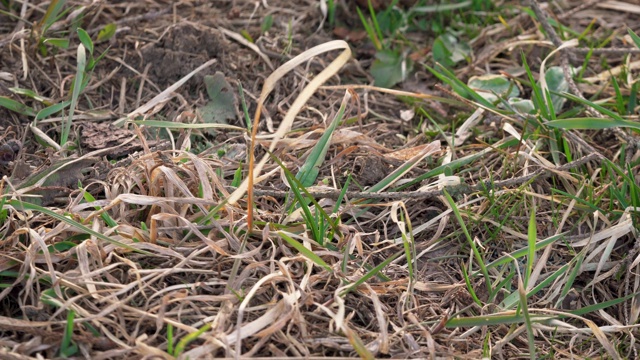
(179, 52)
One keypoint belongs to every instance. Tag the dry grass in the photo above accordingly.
(496, 244)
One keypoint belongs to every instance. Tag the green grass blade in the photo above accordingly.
(59, 43)
(442, 6)
(538, 99)
(601, 109)
(577, 264)
(304, 251)
(31, 94)
(23, 206)
(311, 167)
(170, 340)
(634, 37)
(592, 123)
(472, 244)
(601, 305)
(409, 245)
(107, 32)
(532, 235)
(633, 98)
(312, 223)
(512, 300)
(343, 192)
(458, 163)
(507, 318)
(458, 86)
(77, 87)
(105, 216)
(67, 347)
(182, 344)
(51, 15)
(50, 110)
(405, 168)
(524, 251)
(371, 273)
(303, 202)
(85, 39)
(467, 281)
(374, 20)
(245, 108)
(370, 31)
(622, 110)
(527, 319)
(17, 107)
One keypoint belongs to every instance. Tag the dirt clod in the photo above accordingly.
(180, 51)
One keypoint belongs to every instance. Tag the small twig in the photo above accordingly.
(544, 21)
(459, 189)
(578, 8)
(605, 51)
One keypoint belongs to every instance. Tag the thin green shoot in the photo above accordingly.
(107, 32)
(309, 254)
(24, 206)
(52, 14)
(577, 264)
(309, 171)
(633, 98)
(182, 344)
(601, 109)
(31, 94)
(318, 224)
(532, 236)
(85, 39)
(459, 163)
(104, 215)
(245, 108)
(458, 86)
(50, 110)
(505, 318)
(336, 209)
(409, 245)
(468, 282)
(524, 251)
(602, 305)
(67, 346)
(374, 20)
(472, 244)
(538, 98)
(17, 107)
(331, 12)
(620, 106)
(634, 37)
(370, 31)
(371, 273)
(267, 23)
(170, 340)
(77, 87)
(237, 177)
(527, 318)
(513, 299)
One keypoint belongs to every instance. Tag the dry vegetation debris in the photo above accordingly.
(421, 221)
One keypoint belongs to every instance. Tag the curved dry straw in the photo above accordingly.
(301, 100)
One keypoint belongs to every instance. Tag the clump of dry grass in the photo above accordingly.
(495, 244)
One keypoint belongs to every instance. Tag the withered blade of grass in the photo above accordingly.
(305, 94)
